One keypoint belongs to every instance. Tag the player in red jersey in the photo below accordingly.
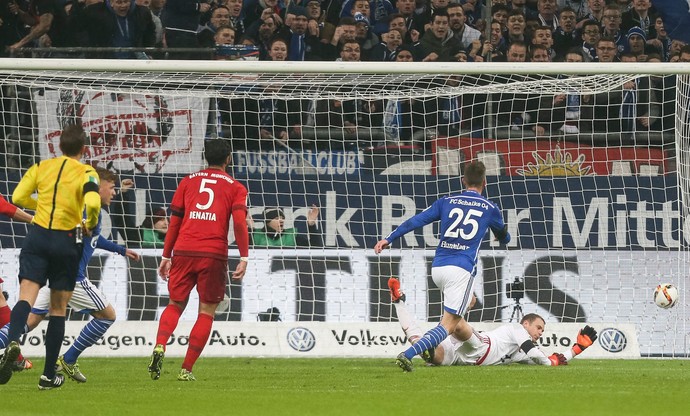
(196, 251)
(16, 214)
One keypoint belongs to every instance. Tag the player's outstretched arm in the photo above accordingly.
(585, 339)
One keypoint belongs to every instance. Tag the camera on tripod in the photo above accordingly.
(516, 289)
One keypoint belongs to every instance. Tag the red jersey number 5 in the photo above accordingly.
(209, 191)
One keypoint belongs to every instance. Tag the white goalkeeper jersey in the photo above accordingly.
(499, 346)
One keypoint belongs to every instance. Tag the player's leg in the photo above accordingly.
(407, 322)
(5, 310)
(180, 284)
(28, 290)
(55, 334)
(212, 279)
(86, 298)
(456, 285)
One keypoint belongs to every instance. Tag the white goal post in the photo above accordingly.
(590, 164)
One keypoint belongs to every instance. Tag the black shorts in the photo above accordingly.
(50, 256)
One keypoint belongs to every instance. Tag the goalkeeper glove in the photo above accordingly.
(585, 339)
(558, 359)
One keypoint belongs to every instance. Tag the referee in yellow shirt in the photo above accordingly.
(51, 251)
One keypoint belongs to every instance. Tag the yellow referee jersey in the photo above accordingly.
(64, 186)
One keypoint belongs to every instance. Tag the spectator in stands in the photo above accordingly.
(566, 36)
(114, 23)
(662, 43)
(579, 7)
(574, 55)
(404, 54)
(499, 13)
(639, 16)
(640, 107)
(274, 233)
(539, 53)
(366, 38)
(262, 32)
(684, 55)
(438, 43)
(318, 25)
(12, 28)
(156, 21)
(596, 12)
(521, 7)
(154, 228)
(302, 45)
(591, 33)
(47, 20)
(236, 17)
(607, 51)
(123, 214)
(517, 52)
(255, 10)
(181, 20)
(543, 36)
(376, 12)
(406, 9)
(547, 13)
(346, 31)
(397, 22)
(464, 33)
(220, 16)
(491, 50)
(516, 27)
(637, 41)
(611, 24)
(350, 52)
(474, 10)
(278, 50)
(387, 48)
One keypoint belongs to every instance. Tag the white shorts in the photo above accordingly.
(462, 353)
(456, 285)
(86, 298)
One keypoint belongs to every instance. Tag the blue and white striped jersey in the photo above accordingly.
(465, 219)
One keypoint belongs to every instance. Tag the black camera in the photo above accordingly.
(271, 315)
(516, 289)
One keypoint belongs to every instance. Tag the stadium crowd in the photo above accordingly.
(378, 30)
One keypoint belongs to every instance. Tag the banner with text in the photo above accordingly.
(351, 286)
(312, 339)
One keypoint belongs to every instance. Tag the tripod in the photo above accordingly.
(517, 310)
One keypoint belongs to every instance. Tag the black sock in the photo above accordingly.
(18, 317)
(54, 336)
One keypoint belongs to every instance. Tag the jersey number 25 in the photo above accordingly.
(465, 226)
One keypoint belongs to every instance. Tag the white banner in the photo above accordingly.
(311, 339)
(127, 132)
(338, 286)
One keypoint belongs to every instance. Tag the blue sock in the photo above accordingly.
(89, 335)
(54, 336)
(18, 318)
(430, 340)
(4, 331)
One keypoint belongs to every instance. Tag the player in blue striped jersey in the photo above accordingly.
(465, 218)
(86, 298)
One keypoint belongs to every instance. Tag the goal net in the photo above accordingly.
(592, 173)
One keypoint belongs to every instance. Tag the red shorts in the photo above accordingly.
(207, 274)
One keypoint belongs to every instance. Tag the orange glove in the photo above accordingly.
(585, 339)
(558, 359)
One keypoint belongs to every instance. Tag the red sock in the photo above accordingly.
(5, 312)
(168, 323)
(197, 340)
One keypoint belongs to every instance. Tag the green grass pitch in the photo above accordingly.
(260, 386)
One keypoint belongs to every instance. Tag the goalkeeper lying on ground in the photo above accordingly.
(510, 343)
